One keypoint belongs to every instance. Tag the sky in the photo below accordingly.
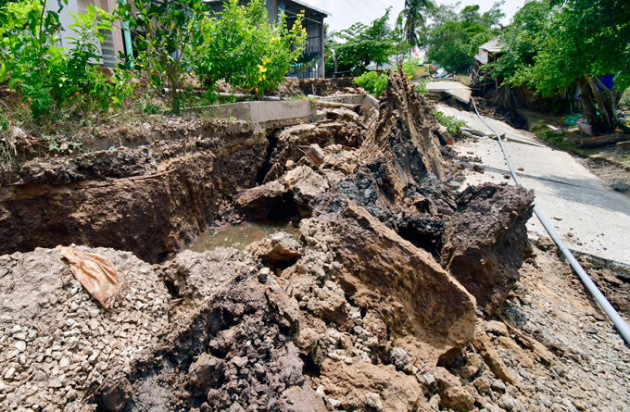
(346, 12)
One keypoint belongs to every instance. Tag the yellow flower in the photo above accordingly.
(266, 60)
(262, 68)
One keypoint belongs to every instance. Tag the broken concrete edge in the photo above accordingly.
(459, 91)
(261, 111)
(365, 101)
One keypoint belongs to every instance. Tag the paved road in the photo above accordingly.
(590, 217)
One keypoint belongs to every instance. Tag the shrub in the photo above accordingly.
(242, 47)
(50, 77)
(452, 124)
(410, 67)
(421, 86)
(168, 37)
(373, 82)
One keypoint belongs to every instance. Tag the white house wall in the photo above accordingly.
(80, 6)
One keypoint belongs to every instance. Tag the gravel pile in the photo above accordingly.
(56, 342)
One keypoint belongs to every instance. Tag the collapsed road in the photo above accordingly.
(389, 289)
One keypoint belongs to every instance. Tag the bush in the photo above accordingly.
(241, 47)
(421, 86)
(168, 38)
(452, 124)
(410, 67)
(372, 82)
(50, 77)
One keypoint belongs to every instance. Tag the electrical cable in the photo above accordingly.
(357, 9)
(613, 315)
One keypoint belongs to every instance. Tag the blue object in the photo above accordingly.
(607, 80)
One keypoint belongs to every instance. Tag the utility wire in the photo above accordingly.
(356, 8)
(620, 324)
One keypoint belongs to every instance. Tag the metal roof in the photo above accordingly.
(308, 6)
(298, 2)
(492, 46)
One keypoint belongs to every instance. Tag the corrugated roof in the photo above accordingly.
(308, 6)
(298, 2)
(492, 46)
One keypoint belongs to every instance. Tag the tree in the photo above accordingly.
(168, 35)
(580, 42)
(240, 46)
(454, 38)
(412, 17)
(50, 77)
(357, 46)
(523, 39)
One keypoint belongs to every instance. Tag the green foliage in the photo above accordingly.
(51, 78)
(4, 122)
(373, 82)
(242, 47)
(553, 46)
(168, 35)
(412, 19)
(410, 66)
(357, 46)
(61, 143)
(523, 39)
(421, 86)
(452, 124)
(455, 37)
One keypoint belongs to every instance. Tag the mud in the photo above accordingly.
(484, 249)
(369, 307)
(183, 186)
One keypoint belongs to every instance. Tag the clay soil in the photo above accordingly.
(395, 288)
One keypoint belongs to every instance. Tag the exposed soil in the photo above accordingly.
(392, 295)
(614, 175)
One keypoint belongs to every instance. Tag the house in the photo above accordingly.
(119, 40)
(312, 63)
(488, 53)
(114, 41)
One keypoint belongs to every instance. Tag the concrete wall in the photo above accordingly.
(263, 111)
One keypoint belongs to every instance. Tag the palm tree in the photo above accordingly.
(413, 16)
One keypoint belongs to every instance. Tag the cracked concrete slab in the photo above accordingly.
(589, 216)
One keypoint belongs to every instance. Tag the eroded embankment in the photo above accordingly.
(369, 308)
(151, 200)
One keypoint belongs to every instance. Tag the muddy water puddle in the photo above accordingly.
(240, 236)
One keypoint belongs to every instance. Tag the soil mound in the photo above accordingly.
(235, 351)
(485, 242)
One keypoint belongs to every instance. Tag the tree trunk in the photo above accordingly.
(599, 105)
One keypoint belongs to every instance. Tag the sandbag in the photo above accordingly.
(95, 273)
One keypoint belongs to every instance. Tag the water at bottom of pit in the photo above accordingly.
(240, 236)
